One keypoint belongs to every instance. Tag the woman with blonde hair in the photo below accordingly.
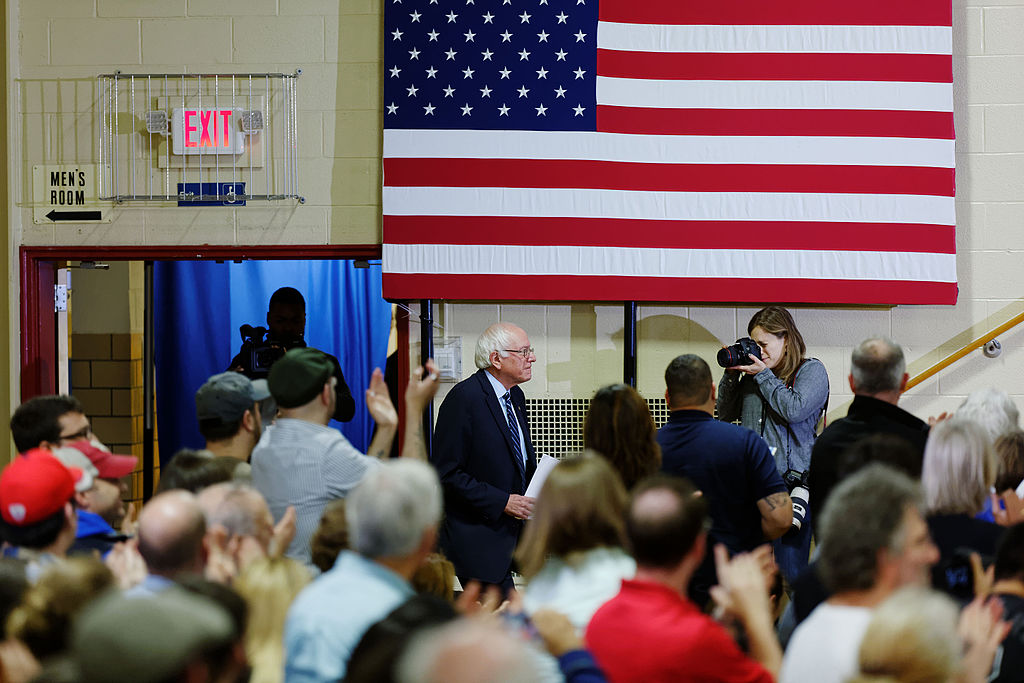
(269, 585)
(782, 396)
(572, 549)
(920, 636)
(619, 428)
(957, 475)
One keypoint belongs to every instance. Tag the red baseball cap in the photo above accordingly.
(108, 465)
(34, 486)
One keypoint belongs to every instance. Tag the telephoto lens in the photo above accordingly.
(801, 496)
(739, 353)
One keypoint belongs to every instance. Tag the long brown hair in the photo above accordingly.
(778, 321)
(580, 507)
(619, 427)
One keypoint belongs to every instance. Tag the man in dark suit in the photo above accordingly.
(484, 457)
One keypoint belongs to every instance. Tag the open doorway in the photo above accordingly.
(117, 356)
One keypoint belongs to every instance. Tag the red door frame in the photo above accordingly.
(38, 275)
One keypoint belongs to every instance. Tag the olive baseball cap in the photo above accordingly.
(227, 396)
(298, 376)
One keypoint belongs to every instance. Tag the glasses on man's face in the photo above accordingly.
(83, 434)
(524, 352)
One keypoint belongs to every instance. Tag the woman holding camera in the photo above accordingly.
(781, 395)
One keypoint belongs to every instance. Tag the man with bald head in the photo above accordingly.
(237, 516)
(484, 457)
(171, 531)
(650, 631)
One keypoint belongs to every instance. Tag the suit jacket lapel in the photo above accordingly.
(497, 411)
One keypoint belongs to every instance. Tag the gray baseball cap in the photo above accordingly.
(228, 395)
(120, 639)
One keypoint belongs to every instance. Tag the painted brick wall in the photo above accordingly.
(63, 44)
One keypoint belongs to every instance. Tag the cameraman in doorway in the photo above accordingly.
(286, 327)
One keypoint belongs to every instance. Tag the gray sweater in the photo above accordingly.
(786, 417)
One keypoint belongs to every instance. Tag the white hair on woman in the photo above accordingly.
(959, 467)
(992, 410)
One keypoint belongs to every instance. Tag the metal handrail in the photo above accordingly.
(976, 344)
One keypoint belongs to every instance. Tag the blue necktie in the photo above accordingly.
(513, 428)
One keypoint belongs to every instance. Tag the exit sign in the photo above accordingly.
(207, 131)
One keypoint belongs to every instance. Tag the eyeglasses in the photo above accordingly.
(524, 353)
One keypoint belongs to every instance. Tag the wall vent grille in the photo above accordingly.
(556, 424)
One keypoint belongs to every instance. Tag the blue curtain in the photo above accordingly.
(199, 306)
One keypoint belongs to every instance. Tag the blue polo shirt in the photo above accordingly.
(732, 467)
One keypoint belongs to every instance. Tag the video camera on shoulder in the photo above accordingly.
(260, 351)
(738, 353)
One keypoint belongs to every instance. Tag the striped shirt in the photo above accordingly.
(306, 465)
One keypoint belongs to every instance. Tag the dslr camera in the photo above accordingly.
(262, 350)
(796, 482)
(738, 353)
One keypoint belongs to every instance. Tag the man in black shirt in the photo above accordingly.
(286, 327)
(877, 377)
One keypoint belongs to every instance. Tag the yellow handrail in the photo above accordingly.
(976, 344)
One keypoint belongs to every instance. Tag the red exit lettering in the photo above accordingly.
(210, 135)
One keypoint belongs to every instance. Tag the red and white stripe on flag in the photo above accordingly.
(750, 150)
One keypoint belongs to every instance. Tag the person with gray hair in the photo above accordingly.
(874, 540)
(992, 410)
(959, 470)
(878, 376)
(393, 517)
(485, 458)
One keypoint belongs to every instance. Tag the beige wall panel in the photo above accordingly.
(290, 40)
(232, 8)
(188, 225)
(94, 41)
(325, 7)
(174, 40)
(1003, 126)
(283, 224)
(126, 228)
(355, 225)
(352, 134)
(970, 128)
(992, 177)
(35, 41)
(311, 142)
(970, 39)
(994, 79)
(140, 8)
(56, 8)
(359, 38)
(1002, 30)
(100, 285)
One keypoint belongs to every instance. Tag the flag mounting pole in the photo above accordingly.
(629, 340)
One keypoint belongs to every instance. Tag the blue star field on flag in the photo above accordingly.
(508, 65)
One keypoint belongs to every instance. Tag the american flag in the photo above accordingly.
(666, 150)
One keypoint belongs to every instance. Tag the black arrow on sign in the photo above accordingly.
(55, 215)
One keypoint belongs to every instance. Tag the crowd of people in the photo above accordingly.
(743, 540)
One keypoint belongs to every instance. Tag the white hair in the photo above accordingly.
(992, 410)
(959, 467)
(391, 509)
(467, 651)
(497, 337)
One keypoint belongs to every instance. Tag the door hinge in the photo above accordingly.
(60, 298)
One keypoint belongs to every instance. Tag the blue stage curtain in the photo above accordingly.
(201, 304)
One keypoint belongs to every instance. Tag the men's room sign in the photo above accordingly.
(67, 193)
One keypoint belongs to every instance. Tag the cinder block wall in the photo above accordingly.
(61, 46)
